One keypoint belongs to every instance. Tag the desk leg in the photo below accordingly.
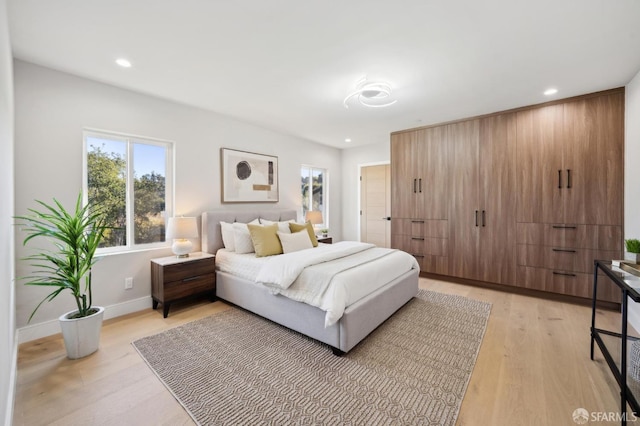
(593, 306)
(623, 358)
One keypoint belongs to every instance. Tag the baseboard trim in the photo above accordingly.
(49, 328)
(11, 395)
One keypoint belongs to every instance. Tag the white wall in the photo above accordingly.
(51, 109)
(631, 181)
(8, 346)
(352, 159)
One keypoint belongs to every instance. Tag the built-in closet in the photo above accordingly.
(528, 197)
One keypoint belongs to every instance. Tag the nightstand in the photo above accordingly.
(326, 240)
(174, 278)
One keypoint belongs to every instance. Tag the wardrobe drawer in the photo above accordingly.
(602, 237)
(433, 228)
(433, 264)
(565, 282)
(562, 258)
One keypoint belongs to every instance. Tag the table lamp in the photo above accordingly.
(180, 229)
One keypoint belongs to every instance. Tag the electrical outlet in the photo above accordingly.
(128, 283)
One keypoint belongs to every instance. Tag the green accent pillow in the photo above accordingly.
(296, 227)
(265, 239)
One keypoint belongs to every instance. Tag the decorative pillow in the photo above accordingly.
(242, 238)
(295, 241)
(228, 236)
(282, 226)
(265, 239)
(296, 227)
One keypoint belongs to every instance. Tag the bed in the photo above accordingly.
(358, 319)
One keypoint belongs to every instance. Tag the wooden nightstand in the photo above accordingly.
(174, 278)
(326, 240)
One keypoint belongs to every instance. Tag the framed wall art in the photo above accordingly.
(248, 177)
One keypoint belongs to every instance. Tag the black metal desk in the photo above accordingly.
(610, 342)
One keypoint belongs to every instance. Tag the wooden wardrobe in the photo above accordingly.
(528, 197)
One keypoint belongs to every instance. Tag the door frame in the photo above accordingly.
(360, 166)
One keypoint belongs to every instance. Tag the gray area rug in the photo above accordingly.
(235, 368)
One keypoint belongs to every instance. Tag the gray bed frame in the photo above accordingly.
(359, 319)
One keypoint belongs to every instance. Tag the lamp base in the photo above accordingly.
(181, 248)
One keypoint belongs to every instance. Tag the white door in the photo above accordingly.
(375, 204)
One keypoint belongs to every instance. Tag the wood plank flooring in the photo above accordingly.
(533, 368)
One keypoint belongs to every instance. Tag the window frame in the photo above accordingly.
(325, 193)
(130, 141)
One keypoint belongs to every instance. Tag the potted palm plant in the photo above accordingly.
(76, 236)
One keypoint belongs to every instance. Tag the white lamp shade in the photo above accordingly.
(180, 229)
(314, 216)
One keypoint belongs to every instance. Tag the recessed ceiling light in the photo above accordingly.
(550, 92)
(347, 140)
(123, 63)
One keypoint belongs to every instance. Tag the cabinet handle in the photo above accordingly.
(483, 218)
(476, 217)
(417, 221)
(568, 178)
(559, 179)
(563, 274)
(186, 280)
(420, 185)
(414, 185)
(564, 250)
(417, 255)
(564, 227)
(418, 238)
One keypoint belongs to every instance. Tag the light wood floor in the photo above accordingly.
(533, 368)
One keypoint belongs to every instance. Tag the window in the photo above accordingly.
(314, 192)
(132, 179)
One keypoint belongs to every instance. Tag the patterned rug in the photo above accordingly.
(235, 368)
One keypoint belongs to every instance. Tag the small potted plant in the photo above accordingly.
(324, 232)
(76, 236)
(632, 252)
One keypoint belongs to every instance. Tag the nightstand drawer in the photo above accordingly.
(188, 286)
(180, 271)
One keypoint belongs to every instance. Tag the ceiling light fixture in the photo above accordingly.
(372, 94)
(123, 63)
(550, 92)
(347, 140)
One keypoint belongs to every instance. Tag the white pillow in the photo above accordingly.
(295, 241)
(282, 226)
(242, 237)
(228, 236)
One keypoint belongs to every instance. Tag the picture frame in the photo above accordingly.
(248, 177)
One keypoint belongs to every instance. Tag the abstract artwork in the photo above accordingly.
(248, 177)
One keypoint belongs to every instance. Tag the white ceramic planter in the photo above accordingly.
(633, 257)
(81, 335)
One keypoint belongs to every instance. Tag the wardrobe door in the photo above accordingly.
(540, 177)
(497, 179)
(403, 178)
(593, 160)
(433, 165)
(464, 212)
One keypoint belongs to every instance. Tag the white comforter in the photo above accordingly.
(332, 277)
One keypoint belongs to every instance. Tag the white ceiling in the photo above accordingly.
(288, 64)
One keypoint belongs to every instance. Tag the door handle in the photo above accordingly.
(564, 250)
(386, 218)
(414, 185)
(476, 217)
(559, 179)
(420, 185)
(568, 178)
(564, 274)
(483, 218)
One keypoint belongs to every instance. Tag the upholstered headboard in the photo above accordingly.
(212, 234)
